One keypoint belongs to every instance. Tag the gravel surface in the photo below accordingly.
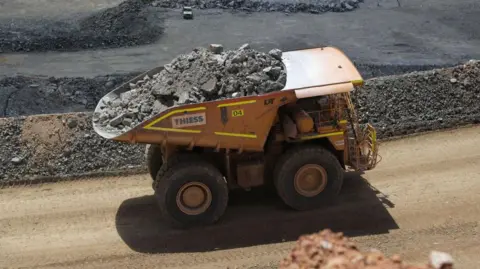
(59, 145)
(128, 24)
(289, 6)
(421, 101)
(329, 250)
(369, 71)
(199, 76)
(65, 144)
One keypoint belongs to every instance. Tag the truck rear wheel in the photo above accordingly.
(308, 177)
(191, 193)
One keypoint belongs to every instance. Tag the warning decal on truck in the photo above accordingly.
(189, 120)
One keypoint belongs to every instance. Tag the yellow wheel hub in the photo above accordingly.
(310, 180)
(194, 198)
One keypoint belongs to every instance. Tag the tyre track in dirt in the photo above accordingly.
(423, 196)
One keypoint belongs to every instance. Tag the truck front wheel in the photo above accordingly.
(191, 193)
(153, 156)
(308, 177)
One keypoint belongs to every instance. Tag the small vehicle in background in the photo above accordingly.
(187, 13)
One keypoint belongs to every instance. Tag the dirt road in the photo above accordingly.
(425, 196)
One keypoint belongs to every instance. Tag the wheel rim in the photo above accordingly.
(194, 198)
(310, 180)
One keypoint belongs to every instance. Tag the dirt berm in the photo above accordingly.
(329, 250)
(131, 23)
(23, 96)
(65, 144)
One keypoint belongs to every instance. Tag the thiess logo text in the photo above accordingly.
(189, 120)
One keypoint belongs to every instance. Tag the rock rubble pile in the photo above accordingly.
(328, 250)
(60, 145)
(315, 7)
(421, 101)
(202, 75)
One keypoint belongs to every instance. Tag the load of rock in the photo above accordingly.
(329, 250)
(205, 74)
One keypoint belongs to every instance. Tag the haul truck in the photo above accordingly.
(300, 140)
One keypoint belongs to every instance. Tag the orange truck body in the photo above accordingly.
(206, 149)
(244, 123)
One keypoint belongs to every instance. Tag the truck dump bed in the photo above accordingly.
(240, 123)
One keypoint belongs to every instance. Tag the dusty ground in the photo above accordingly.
(417, 32)
(424, 196)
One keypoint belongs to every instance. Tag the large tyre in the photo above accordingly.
(308, 177)
(191, 193)
(153, 156)
(174, 160)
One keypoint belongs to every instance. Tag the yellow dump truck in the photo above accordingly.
(300, 139)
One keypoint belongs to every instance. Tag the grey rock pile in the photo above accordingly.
(421, 101)
(289, 6)
(28, 152)
(199, 76)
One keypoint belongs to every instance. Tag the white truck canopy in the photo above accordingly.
(319, 71)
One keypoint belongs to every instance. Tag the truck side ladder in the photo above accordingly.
(362, 141)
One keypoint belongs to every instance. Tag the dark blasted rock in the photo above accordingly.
(128, 24)
(313, 7)
(421, 101)
(23, 95)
